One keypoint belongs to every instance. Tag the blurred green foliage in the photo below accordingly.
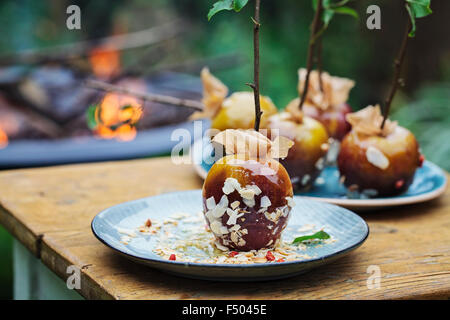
(6, 273)
(428, 117)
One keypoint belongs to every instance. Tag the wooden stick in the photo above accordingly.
(314, 29)
(99, 85)
(319, 62)
(118, 42)
(255, 84)
(398, 68)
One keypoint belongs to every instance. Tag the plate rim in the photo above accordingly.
(352, 203)
(227, 265)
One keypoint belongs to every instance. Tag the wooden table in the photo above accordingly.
(49, 211)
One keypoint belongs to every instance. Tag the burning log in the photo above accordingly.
(17, 122)
(152, 97)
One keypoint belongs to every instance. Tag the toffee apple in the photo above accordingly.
(326, 101)
(375, 160)
(234, 112)
(305, 159)
(378, 154)
(247, 195)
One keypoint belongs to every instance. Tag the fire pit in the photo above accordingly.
(46, 117)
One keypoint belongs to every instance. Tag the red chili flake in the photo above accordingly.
(173, 257)
(232, 254)
(421, 160)
(148, 223)
(269, 256)
(280, 260)
(399, 183)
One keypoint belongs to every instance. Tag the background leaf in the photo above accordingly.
(228, 5)
(417, 9)
(220, 6)
(239, 4)
(348, 11)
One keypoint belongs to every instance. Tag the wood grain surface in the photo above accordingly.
(50, 210)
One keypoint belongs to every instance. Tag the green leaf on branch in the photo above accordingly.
(331, 8)
(228, 5)
(348, 11)
(321, 235)
(417, 9)
(239, 4)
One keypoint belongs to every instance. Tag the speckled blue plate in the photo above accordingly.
(430, 182)
(346, 228)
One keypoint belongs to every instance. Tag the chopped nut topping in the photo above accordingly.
(235, 204)
(377, 158)
(265, 202)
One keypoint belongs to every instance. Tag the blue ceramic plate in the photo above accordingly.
(430, 182)
(347, 230)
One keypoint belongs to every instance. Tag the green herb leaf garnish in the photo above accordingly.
(320, 235)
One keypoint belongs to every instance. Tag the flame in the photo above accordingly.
(117, 116)
(3, 139)
(105, 61)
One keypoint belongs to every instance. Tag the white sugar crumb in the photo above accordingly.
(249, 203)
(306, 227)
(233, 216)
(255, 188)
(210, 203)
(127, 232)
(223, 203)
(216, 227)
(290, 202)
(306, 179)
(247, 194)
(377, 158)
(265, 202)
(320, 181)
(235, 204)
(191, 241)
(125, 239)
(230, 185)
(320, 164)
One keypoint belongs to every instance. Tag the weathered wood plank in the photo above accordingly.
(411, 245)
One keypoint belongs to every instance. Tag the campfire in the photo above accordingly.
(3, 139)
(116, 117)
(50, 104)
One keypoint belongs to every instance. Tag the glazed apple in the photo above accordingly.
(235, 112)
(305, 159)
(329, 104)
(238, 112)
(247, 195)
(380, 161)
(247, 202)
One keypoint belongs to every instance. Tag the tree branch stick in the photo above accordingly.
(196, 105)
(309, 64)
(319, 61)
(126, 41)
(255, 85)
(396, 81)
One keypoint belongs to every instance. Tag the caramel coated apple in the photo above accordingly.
(238, 112)
(305, 159)
(385, 164)
(333, 119)
(247, 202)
